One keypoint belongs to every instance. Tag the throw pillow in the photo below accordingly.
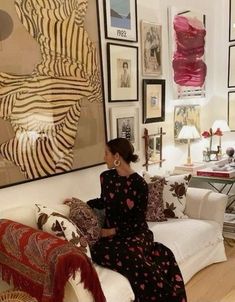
(155, 209)
(55, 223)
(85, 219)
(174, 195)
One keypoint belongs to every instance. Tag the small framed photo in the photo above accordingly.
(186, 115)
(121, 20)
(231, 110)
(231, 20)
(153, 100)
(151, 48)
(231, 64)
(124, 122)
(122, 72)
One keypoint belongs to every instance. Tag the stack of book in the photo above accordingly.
(229, 225)
(192, 169)
(217, 171)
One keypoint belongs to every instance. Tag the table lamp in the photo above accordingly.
(188, 132)
(222, 125)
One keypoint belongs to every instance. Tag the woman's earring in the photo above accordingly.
(117, 163)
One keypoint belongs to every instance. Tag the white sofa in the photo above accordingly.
(196, 242)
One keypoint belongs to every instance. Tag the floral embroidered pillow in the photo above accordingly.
(155, 209)
(55, 223)
(174, 195)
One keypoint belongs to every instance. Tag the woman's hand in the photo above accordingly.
(108, 232)
(68, 201)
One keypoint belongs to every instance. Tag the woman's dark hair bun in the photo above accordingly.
(133, 158)
(124, 147)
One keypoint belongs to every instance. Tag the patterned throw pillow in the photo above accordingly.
(55, 223)
(85, 219)
(155, 209)
(174, 195)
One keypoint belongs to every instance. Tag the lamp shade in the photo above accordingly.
(188, 132)
(221, 124)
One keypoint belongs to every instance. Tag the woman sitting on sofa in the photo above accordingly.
(126, 244)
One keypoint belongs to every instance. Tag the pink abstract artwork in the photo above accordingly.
(189, 67)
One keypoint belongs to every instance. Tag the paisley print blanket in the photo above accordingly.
(40, 263)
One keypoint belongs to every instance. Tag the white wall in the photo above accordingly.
(85, 183)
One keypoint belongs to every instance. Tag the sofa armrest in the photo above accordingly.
(205, 204)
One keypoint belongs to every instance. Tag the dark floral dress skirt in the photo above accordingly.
(149, 266)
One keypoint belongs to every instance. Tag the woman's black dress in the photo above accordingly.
(149, 266)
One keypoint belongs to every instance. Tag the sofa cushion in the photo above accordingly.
(56, 223)
(174, 195)
(85, 219)
(186, 237)
(155, 199)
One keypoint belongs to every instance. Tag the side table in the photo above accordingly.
(223, 185)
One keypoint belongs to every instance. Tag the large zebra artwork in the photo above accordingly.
(44, 107)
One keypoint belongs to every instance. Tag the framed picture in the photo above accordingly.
(122, 72)
(121, 20)
(124, 122)
(231, 64)
(151, 48)
(187, 30)
(153, 101)
(56, 121)
(231, 20)
(186, 115)
(231, 110)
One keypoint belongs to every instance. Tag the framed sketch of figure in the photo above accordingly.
(151, 50)
(124, 122)
(122, 72)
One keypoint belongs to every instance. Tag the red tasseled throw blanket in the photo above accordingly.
(40, 263)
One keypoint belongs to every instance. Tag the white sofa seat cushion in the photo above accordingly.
(177, 233)
(122, 288)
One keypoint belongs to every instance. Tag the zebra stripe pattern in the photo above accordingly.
(44, 107)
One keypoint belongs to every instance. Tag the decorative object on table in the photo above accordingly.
(187, 35)
(210, 154)
(231, 110)
(121, 20)
(153, 148)
(220, 125)
(122, 72)
(153, 100)
(189, 132)
(186, 115)
(230, 152)
(16, 296)
(151, 48)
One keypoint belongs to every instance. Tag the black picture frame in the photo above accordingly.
(231, 20)
(231, 110)
(153, 100)
(114, 30)
(231, 63)
(123, 73)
